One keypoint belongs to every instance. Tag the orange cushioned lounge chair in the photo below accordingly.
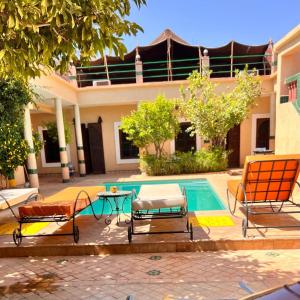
(266, 179)
(63, 206)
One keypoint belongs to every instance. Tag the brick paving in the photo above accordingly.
(166, 276)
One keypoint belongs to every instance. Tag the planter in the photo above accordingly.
(12, 183)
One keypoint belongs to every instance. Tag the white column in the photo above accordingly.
(80, 152)
(205, 62)
(31, 160)
(272, 120)
(138, 69)
(62, 141)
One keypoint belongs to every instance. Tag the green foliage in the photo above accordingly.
(152, 123)
(213, 114)
(38, 34)
(13, 151)
(52, 131)
(14, 96)
(37, 143)
(185, 163)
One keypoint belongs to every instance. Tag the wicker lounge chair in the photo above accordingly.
(63, 206)
(267, 180)
(159, 201)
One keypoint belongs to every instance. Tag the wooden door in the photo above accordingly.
(233, 144)
(96, 148)
(262, 133)
(86, 149)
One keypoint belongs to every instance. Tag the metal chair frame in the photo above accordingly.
(249, 204)
(17, 234)
(157, 214)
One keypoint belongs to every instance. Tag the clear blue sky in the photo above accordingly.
(214, 23)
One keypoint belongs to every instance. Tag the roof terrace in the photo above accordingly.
(170, 58)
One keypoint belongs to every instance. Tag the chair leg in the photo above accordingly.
(191, 232)
(17, 235)
(232, 211)
(245, 222)
(244, 227)
(129, 234)
(75, 231)
(187, 224)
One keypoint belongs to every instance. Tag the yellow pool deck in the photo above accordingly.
(98, 238)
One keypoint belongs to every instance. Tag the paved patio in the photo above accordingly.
(94, 232)
(190, 276)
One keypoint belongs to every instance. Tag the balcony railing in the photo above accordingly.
(293, 86)
(169, 70)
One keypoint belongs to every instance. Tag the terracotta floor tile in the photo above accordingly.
(210, 275)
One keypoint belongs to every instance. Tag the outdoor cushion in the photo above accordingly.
(158, 196)
(267, 177)
(232, 186)
(15, 196)
(61, 203)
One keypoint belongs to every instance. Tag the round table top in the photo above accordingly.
(116, 194)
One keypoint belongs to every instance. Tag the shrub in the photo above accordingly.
(185, 163)
(153, 123)
(213, 114)
(13, 151)
(53, 134)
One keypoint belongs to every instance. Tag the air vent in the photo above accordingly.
(101, 82)
(254, 71)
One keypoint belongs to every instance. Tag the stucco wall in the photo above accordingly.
(287, 117)
(40, 119)
(262, 107)
(90, 111)
(109, 115)
(287, 129)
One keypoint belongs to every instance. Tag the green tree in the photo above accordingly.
(213, 114)
(13, 151)
(14, 96)
(37, 143)
(37, 34)
(53, 134)
(153, 123)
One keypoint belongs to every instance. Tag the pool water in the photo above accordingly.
(199, 192)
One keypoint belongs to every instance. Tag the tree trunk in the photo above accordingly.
(218, 142)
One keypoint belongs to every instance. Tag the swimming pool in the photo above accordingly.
(200, 195)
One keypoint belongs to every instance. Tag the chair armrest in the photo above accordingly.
(34, 197)
(133, 195)
(297, 183)
(8, 206)
(185, 198)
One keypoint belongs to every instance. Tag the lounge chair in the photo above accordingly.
(286, 292)
(159, 201)
(15, 196)
(266, 180)
(63, 206)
